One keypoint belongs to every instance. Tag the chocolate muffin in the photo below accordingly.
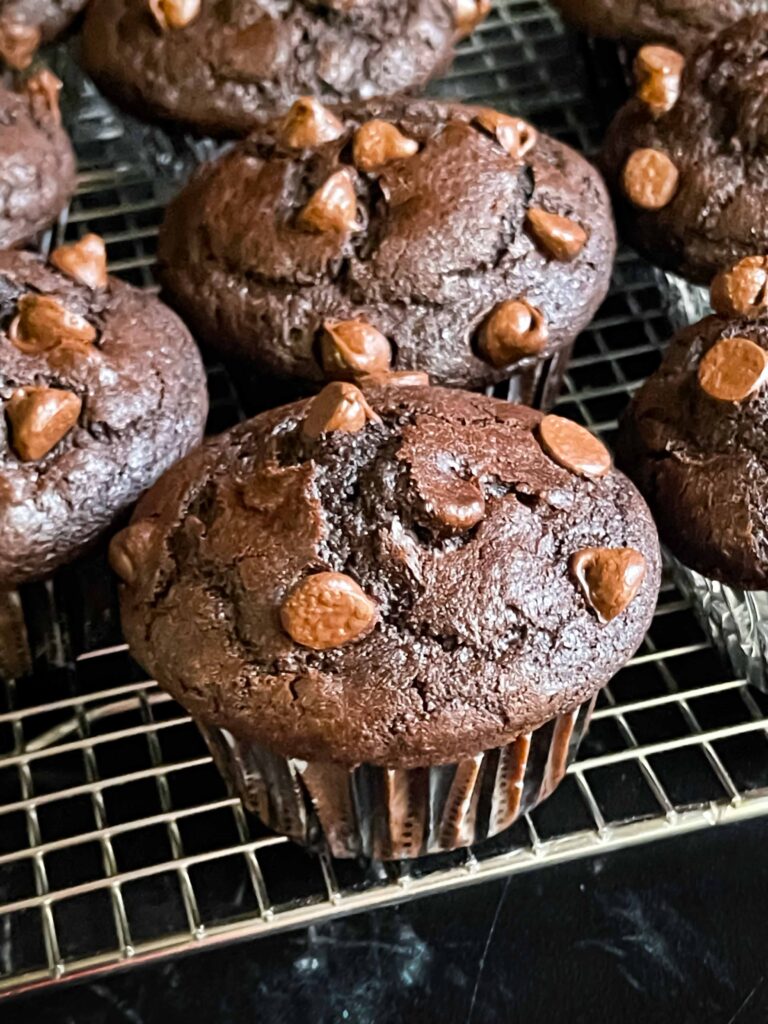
(223, 65)
(25, 24)
(379, 594)
(686, 156)
(683, 23)
(102, 388)
(694, 442)
(397, 233)
(37, 165)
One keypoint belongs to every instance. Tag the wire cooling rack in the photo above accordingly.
(118, 840)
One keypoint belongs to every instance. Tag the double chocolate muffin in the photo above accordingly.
(694, 442)
(37, 164)
(683, 23)
(381, 594)
(222, 65)
(686, 157)
(399, 233)
(25, 24)
(102, 389)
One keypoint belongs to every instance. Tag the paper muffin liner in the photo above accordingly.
(397, 813)
(735, 619)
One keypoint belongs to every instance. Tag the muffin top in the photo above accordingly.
(102, 388)
(687, 157)
(684, 23)
(693, 438)
(24, 24)
(471, 244)
(402, 575)
(37, 164)
(224, 65)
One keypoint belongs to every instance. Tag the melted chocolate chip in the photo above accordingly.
(84, 261)
(742, 290)
(328, 610)
(573, 447)
(308, 123)
(609, 578)
(43, 323)
(561, 238)
(468, 14)
(333, 207)
(394, 379)
(40, 418)
(733, 369)
(43, 90)
(378, 143)
(353, 347)
(515, 330)
(516, 136)
(658, 70)
(339, 406)
(18, 43)
(171, 14)
(650, 179)
(128, 549)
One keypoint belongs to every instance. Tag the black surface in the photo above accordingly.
(674, 931)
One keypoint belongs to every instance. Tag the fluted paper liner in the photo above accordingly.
(398, 813)
(735, 619)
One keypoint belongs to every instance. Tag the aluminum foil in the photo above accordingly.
(398, 813)
(735, 619)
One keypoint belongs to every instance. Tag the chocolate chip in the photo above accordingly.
(733, 369)
(326, 610)
(573, 447)
(451, 501)
(378, 143)
(467, 15)
(308, 123)
(174, 13)
(333, 207)
(39, 418)
(514, 331)
(559, 237)
(394, 379)
(658, 70)
(609, 578)
(18, 43)
(43, 90)
(43, 323)
(84, 261)
(516, 136)
(650, 179)
(353, 347)
(742, 290)
(339, 406)
(128, 549)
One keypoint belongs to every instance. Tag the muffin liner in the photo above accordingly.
(537, 384)
(397, 813)
(735, 619)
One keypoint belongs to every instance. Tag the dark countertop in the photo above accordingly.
(673, 931)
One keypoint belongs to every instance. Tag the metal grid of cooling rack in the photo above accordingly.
(118, 840)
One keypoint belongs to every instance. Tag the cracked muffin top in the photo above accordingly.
(223, 65)
(464, 243)
(694, 437)
(37, 164)
(397, 575)
(687, 157)
(102, 389)
(683, 23)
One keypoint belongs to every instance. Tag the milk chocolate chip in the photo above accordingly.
(515, 330)
(43, 323)
(658, 71)
(453, 502)
(326, 610)
(174, 13)
(609, 578)
(128, 549)
(378, 143)
(84, 261)
(339, 406)
(333, 207)
(559, 237)
(308, 123)
(733, 369)
(18, 44)
(573, 447)
(650, 179)
(742, 290)
(394, 379)
(467, 15)
(43, 90)
(353, 347)
(512, 133)
(39, 418)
